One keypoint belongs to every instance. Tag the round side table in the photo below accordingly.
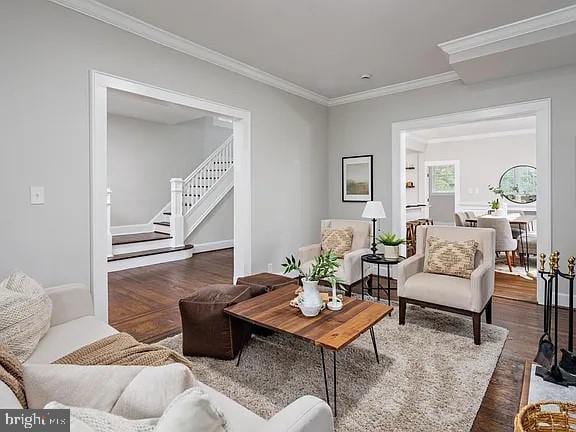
(378, 260)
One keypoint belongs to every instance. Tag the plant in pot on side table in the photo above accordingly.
(391, 244)
(323, 268)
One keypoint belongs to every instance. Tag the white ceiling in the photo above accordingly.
(149, 109)
(480, 128)
(325, 45)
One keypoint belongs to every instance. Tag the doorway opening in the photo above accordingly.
(192, 192)
(442, 190)
(458, 168)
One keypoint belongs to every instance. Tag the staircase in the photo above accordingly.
(192, 200)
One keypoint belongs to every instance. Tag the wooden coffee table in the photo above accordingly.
(329, 330)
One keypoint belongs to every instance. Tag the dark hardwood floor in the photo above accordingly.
(143, 302)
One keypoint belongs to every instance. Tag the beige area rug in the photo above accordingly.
(431, 376)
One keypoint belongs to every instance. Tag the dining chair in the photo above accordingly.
(505, 242)
(460, 219)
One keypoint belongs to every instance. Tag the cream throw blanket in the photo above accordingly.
(123, 350)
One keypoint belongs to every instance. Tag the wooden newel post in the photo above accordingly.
(109, 222)
(176, 212)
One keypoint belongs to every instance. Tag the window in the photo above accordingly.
(442, 179)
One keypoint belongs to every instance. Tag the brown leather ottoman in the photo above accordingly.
(261, 283)
(206, 330)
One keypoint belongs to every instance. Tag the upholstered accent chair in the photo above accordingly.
(350, 270)
(449, 293)
(505, 241)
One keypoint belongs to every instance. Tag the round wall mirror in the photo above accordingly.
(518, 184)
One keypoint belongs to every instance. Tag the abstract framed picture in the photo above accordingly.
(357, 178)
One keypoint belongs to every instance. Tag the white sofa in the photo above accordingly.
(74, 325)
(350, 270)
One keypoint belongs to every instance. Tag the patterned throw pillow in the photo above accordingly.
(452, 258)
(25, 312)
(338, 240)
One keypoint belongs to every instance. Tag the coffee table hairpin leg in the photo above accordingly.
(334, 376)
(326, 381)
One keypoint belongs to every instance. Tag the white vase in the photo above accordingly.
(391, 252)
(311, 302)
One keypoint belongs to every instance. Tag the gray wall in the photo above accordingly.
(142, 158)
(218, 225)
(44, 118)
(483, 161)
(365, 128)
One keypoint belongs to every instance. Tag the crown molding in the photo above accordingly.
(419, 83)
(526, 32)
(140, 28)
(116, 18)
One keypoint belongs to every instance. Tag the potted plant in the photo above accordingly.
(499, 207)
(323, 268)
(391, 245)
(494, 205)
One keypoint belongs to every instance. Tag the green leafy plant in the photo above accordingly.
(497, 190)
(390, 239)
(323, 268)
(494, 204)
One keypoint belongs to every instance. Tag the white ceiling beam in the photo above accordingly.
(530, 31)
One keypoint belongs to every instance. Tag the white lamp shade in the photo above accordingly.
(374, 210)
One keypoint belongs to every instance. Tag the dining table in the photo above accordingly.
(522, 222)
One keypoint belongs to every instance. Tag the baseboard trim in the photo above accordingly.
(212, 246)
(131, 229)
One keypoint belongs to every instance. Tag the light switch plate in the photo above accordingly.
(37, 195)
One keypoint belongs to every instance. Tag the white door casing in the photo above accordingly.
(99, 84)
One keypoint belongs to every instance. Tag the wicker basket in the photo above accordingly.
(546, 416)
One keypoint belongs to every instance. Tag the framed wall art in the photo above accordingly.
(357, 179)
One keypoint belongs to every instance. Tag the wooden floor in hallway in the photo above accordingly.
(144, 303)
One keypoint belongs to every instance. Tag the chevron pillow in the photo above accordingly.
(452, 258)
(338, 240)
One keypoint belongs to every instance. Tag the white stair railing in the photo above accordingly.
(187, 193)
(203, 178)
(176, 212)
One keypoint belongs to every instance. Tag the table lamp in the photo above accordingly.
(374, 210)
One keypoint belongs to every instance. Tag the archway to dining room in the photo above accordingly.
(502, 159)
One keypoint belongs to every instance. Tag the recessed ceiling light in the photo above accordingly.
(366, 76)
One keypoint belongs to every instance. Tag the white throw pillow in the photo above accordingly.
(25, 312)
(127, 391)
(191, 411)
